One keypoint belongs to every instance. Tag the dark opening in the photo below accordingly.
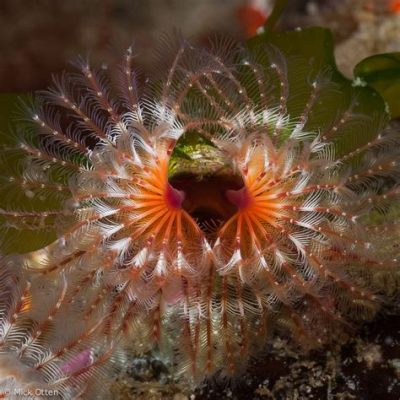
(205, 197)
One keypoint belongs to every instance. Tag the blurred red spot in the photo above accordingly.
(250, 18)
(394, 6)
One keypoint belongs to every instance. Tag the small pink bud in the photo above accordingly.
(240, 198)
(174, 197)
(80, 361)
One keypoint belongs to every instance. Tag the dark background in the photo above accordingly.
(39, 37)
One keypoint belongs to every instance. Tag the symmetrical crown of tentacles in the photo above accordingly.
(271, 237)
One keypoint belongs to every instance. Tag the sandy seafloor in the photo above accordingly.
(365, 367)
